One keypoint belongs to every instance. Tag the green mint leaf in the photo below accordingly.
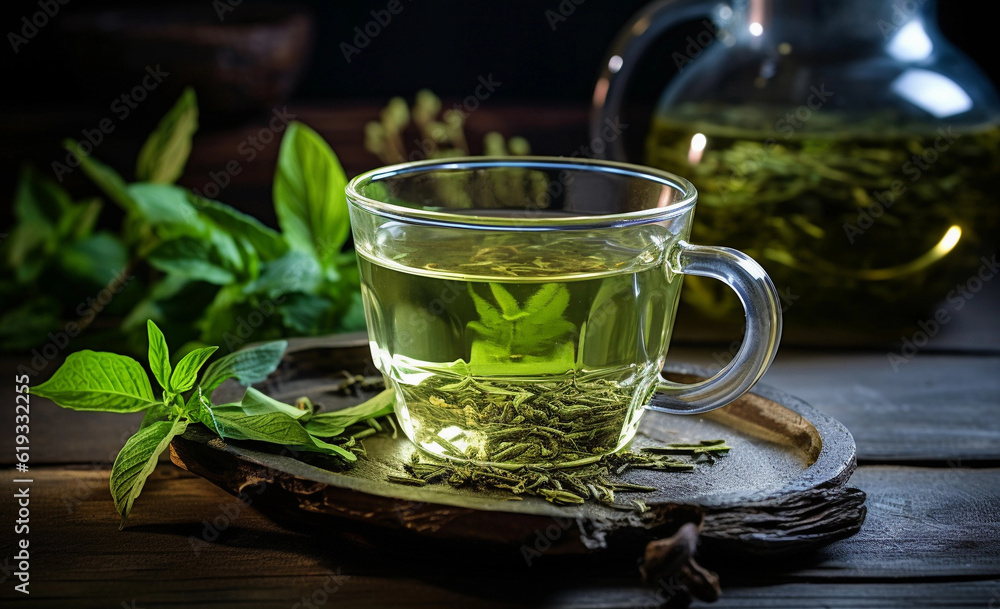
(248, 366)
(165, 152)
(39, 199)
(489, 316)
(538, 338)
(229, 422)
(21, 326)
(90, 380)
(79, 219)
(548, 303)
(98, 258)
(191, 258)
(166, 205)
(226, 250)
(137, 460)
(508, 304)
(159, 355)
(157, 412)
(21, 244)
(186, 372)
(318, 445)
(329, 424)
(354, 316)
(294, 272)
(266, 241)
(306, 313)
(533, 334)
(309, 197)
(107, 179)
(256, 403)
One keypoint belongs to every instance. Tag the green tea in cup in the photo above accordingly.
(521, 308)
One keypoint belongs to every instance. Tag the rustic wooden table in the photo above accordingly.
(928, 443)
(928, 439)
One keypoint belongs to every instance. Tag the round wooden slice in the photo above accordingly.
(782, 488)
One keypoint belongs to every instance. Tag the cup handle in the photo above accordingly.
(760, 342)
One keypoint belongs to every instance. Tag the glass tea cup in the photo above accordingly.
(521, 307)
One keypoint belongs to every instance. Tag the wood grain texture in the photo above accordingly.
(864, 595)
(936, 408)
(162, 559)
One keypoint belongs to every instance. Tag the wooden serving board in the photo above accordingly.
(781, 489)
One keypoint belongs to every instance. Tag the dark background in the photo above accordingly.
(444, 46)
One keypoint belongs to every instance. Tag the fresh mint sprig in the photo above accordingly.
(203, 265)
(108, 382)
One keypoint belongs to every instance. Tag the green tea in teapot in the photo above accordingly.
(856, 222)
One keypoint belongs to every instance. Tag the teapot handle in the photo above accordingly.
(645, 26)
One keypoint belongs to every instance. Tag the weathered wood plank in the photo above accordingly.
(949, 595)
(924, 525)
(935, 408)
(944, 521)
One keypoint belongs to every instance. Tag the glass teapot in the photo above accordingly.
(844, 144)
